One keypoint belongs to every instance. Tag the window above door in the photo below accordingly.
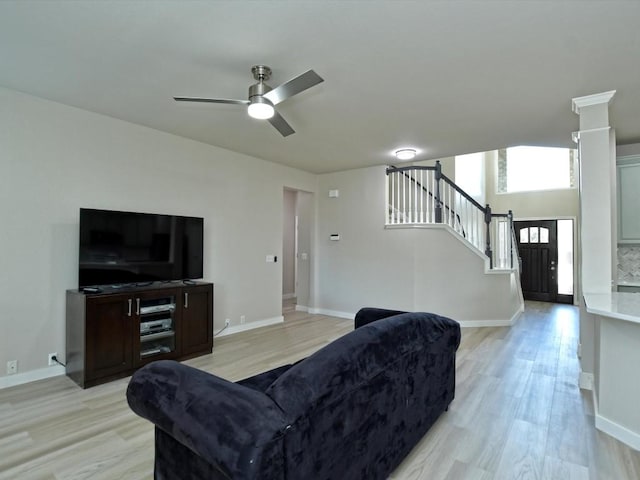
(526, 169)
(534, 235)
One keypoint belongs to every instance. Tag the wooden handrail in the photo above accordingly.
(454, 217)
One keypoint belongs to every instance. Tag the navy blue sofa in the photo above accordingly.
(352, 410)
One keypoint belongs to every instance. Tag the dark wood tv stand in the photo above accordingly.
(113, 332)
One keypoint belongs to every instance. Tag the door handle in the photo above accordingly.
(129, 311)
(137, 306)
(186, 299)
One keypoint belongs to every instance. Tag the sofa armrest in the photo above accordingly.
(234, 428)
(368, 315)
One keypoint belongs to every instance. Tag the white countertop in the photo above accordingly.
(620, 305)
(629, 283)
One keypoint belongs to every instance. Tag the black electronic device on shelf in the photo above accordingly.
(130, 247)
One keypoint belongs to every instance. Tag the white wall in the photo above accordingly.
(471, 175)
(631, 149)
(305, 210)
(55, 159)
(451, 279)
(406, 269)
(448, 165)
(288, 243)
(366, 267)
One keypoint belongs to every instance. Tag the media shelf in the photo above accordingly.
(113, 332)
(157, 326)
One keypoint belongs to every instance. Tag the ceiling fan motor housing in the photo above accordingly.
(260, 73)
(258, 90)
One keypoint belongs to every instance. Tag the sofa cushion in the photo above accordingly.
(355, 358)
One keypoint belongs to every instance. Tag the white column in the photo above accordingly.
(598, 237)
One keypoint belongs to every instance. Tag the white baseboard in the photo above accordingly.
(585, 381)
(231, 329)
(617, 431)
(302, 308)
(332, 313)
(492, 323)
(463, 323)
(31, 376)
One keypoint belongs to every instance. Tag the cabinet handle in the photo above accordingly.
(129, 312)
(137, 306)
(186, 299)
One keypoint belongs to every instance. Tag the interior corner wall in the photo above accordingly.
(56, 159)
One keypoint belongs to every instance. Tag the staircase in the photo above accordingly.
(476, 276)
(418, 196)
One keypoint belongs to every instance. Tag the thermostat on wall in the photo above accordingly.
(334, 236)
(334, 193)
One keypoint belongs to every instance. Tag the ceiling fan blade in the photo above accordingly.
(293, 87)
(211, 100)
(281, 125)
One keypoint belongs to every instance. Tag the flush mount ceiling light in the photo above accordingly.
(260, 108)
(405, 154)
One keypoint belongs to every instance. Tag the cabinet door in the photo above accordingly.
(628, 199)
(108, 335)
(197, 319)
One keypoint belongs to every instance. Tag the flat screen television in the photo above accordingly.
(136, 248)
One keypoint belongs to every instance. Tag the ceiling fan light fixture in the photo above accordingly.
(262, 98)
(260, 108)
(405, 154)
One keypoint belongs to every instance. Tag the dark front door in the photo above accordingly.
(538, 246)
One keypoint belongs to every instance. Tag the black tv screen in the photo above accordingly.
(131, 248)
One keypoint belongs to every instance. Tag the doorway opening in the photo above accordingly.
(296, 245)
(547, 253)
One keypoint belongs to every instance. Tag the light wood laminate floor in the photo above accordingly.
(518, 412)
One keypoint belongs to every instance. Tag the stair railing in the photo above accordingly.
(420, 195)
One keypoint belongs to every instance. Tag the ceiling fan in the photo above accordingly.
(262, 98)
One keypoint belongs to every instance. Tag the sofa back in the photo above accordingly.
(345, 401)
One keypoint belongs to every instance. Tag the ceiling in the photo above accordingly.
(444, 77)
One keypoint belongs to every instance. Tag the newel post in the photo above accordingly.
(487, 221)
(438, 203)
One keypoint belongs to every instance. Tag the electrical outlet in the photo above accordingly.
(242, 319)
(12, 367)
(227, 322)
(51, 360)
